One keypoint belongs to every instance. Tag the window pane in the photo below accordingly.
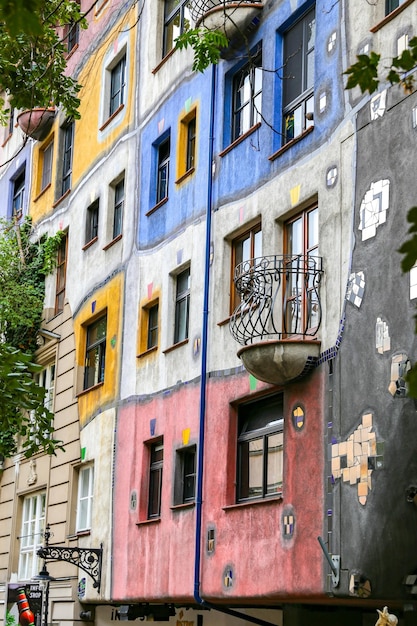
(313, 229)
(274, 463)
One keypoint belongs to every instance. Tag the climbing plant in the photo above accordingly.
(25, 421)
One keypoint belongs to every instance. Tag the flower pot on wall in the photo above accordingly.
(36, 122)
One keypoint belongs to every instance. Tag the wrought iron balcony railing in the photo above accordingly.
(199, 8)
(279, 298)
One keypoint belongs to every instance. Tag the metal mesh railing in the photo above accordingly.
(199, 8)
(279, 297)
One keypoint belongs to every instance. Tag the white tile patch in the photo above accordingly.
(402, 44)
(414, 114)
(383, 341)
(374, 207)
(331, 176)
(331, 42)
(413, 282)
(378, 105)
(322, 102)
(356, 288)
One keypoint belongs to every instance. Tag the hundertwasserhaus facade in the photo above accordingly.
(227, 333)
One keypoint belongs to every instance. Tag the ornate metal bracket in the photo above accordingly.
(87, 559)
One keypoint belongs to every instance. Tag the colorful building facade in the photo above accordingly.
(235, 328)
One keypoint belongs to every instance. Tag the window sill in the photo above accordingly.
(163, 61)
(291, 143)
(112, 116)
(145, 522)
(99, 11)
(254, 502)
(224, 322)
(71, 52)
(89, 243)
(185, 176)
(64, 195)
(146, 352)
(239, 139)
(391, 16)
(85, 391)
(181, 507)
(83, 533)
(175, 346)
(113, 241)
(40, 194)
(157, 206)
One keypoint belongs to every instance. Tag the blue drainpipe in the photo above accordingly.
(200, 455)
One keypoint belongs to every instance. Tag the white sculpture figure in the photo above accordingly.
(385, 618)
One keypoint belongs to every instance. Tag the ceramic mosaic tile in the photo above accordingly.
(374, 207)
(378, 105)
(413, 282)
(331, 42)
(356, 288)
(402, 44)
(400, 365)
(331, 176)
(382, 338)
(354, 460)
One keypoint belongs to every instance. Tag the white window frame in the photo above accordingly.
(31, 534)
(85, 500)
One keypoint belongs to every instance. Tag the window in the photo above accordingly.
(182, 306)
(117, 85)
(119, 200)
(155, 479)
(152, 326)
(298, 71)
(61, 271)
(186, 159)
(301, 239)
(185, 475)
(245, 249)
(11, 120)
(31, 535)
(72, 32)
(68, 145)
(47, 154)
(95, 354)
(91, 231)
(191, 127)
(163, 170)
(260, 448)
(18, 194)
(46, 379)
(390, 5)
(247, 97)
(85, 498)
(177, 21)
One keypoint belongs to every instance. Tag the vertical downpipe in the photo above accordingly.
(200, 456)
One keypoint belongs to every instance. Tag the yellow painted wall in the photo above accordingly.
(108, 298)
(89, 143)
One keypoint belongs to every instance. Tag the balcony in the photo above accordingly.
(233, 18)
(279, 316)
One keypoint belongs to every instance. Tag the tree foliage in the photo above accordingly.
(32, 55)
(364, 73)
(24, 419)
(207, 46)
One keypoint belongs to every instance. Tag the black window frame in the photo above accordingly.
(117, 94)
(191, 143)
(92, 221)
(256, 423)
(119, 202)
(177, 13)
(185, 475)
(296, 72)
(61, 272)
(182, 306)
(250, 71)
(162, 175)
(95, 345)
(156, 463)
(67, 156)
(152, 326)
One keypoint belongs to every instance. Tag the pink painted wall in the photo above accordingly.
(155, 560)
